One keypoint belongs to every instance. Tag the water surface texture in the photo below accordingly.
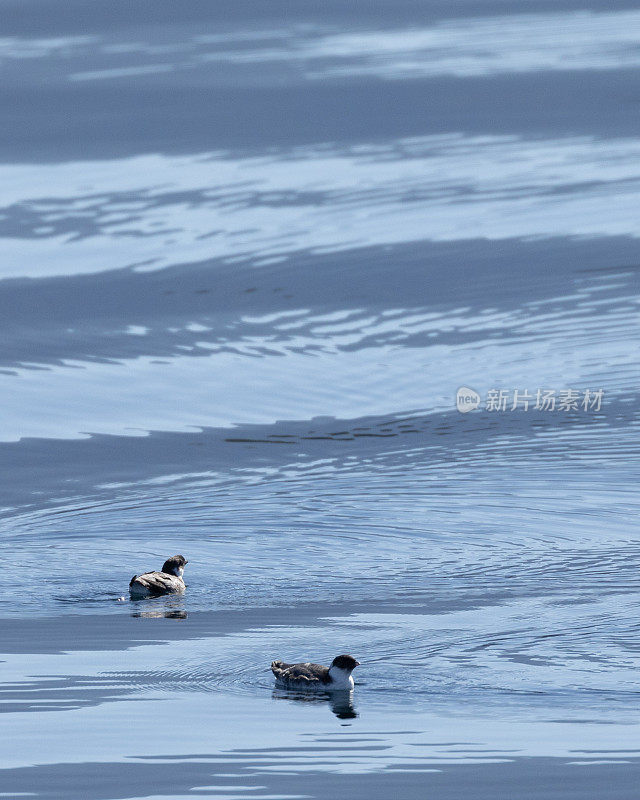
(250, 252)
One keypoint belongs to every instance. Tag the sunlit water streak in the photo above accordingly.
(442, 188)
(339, 364)
(466, 47)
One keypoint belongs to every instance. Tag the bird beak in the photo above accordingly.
(357, 664)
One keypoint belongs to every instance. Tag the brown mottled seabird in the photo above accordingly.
(167, 581)
(315, 677)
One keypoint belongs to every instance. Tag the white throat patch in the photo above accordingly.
(341, 678)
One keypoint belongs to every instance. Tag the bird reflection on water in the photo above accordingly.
(159, 607)
(341, 702)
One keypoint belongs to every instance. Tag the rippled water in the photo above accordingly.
(251, 251)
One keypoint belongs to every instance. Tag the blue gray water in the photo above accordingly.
(250, 252)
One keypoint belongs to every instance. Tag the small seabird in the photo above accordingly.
(167, 581)
(337, 677)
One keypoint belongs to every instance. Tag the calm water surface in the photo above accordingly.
(250, 252)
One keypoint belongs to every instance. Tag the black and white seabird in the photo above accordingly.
(315, 677)
(167, 581)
